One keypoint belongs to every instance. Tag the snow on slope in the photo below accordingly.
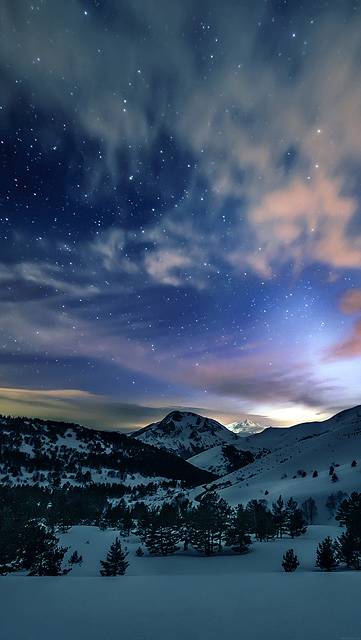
(50, 453)
(185, 433)
(181, 597)
(225, 459)
(297, 451)
(245, 427)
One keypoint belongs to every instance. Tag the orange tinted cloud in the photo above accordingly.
(307, 222)
(351, 347)
(351, 301)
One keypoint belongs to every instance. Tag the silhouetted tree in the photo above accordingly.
(326, 558)
(203, 524)
(75, 558)
(290, 561)
(39, 552)
(279, 513)
(237, 534)
(296, 524)
(115, 563)
(261, 520)
(309, 509)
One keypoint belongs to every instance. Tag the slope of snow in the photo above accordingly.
(178, 597)
(185, 433)
(297, 451)
(56, 453)
(224, 459)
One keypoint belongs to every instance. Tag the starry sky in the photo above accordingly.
(180, 209)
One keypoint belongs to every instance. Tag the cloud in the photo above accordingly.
(127, 86)
(350, 347)
(78, 406)
(167, 267)
(351, 301)
(254, 379)
(305, 223)
(95, 410)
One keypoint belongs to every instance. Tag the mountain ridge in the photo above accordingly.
(185, 433)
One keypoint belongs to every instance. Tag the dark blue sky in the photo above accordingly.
(180, 209)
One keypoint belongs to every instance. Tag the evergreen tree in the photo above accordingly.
(203, 523)
(309, 509)
(144, 517)
(349, 543)
(126, 522)
(353, 463)
(349, 550)
(290, 561)
(115, 563)
(261, 520)
(49, 562)
(39, 552)
(296, 524)
(349, 514)
(237, 534)
(279, 513)
(139, 552)
(326, 555)
(75, 558)
(223, 513)
(163, 533)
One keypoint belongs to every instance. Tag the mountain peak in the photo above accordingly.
(185, 433)
(245, 427)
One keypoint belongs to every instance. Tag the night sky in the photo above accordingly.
(180, 209)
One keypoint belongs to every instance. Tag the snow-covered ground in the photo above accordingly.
(186, 597)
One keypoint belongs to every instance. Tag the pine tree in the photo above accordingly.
(39, 552)
(326, 555)
(115, 563)
(75, 558)
(203, 523)
(126, 522)
(309, 509)
(296, 524)
(348, 550)
(49, 562)
(290, 561)
(279, 513)
(349, 543)
(163, 532)
(262, 523)
(223, 513)
(353, 463)
(139, 552)
(237, 534)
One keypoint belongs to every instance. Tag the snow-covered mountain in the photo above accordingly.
(299, 461)
(49, 453)
(185, 434)
(245, 427)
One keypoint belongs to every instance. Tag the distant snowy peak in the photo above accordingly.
(185, 433)
(245, 427)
